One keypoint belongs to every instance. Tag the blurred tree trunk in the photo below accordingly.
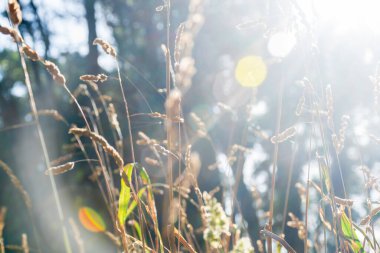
(93, 54)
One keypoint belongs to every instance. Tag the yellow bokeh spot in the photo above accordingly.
(250, 71)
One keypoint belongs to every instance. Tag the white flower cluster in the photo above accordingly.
(243, 245)
(217, 221)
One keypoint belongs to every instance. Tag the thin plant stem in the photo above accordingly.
(134, 191)
(275, 155)
(33, 106)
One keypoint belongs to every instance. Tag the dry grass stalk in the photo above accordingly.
(106, 98)
(94, 86)
(80, 90)
(323, 219)
(172, 104)
(3, 211)
(369, 217)
(57, 170)
(375, 80)
(55, 72)
(297, 224)
(300, 106)
(157, 115)
(113, 238)
(202, 130)
(177, 45)
(257, 197)
(225, 107)
(77, 236)
(12, 32)
(277, 238)
(285, 135)
(185, 67)
(145, 140)
(183, 241)
(30, 53)
(193, 166)
(17, 184)
(95, 174)
(113, 117)
(160, 149)
(24, 243)
(152, 162)
(330, 107)
(260, 246)
(102, 141)
(61, 159)
(301, 190)
(94, 78)
(108, 49)
(15, 13)
(52, 113)
(338, 140)
(344, 202)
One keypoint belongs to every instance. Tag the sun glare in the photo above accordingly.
(250, 71)
(349, 14)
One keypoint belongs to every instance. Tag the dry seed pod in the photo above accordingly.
(55, 73)
(30, 53)
(202, 131)
(94, 78)
(95, 174)
(344, 202)
(152, 162)
(61, 159)
(369, 217)
(300, 106)
(53, 113)
(17, 184)
(113, 117)
(108, 49)
(12, 32)
(102, 141)
(15, 12)
(60, 169)
(301, 190)
(285, 135)
(177, 45)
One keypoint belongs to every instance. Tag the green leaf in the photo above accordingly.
(138, 229)
(125, 207)
(133, 204)
(279, 247)
(350, 234)
(125, 193)
(325, 173)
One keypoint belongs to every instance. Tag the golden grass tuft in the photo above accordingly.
(17, 184)
(102, 141)
(108, 49)
(15, 13)
(60, 169)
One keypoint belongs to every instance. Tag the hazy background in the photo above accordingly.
(329, 42)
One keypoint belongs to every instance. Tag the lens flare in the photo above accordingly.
(250, 71)
(91, 220)
(281, 44)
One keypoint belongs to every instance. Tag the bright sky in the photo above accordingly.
(66, 22)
